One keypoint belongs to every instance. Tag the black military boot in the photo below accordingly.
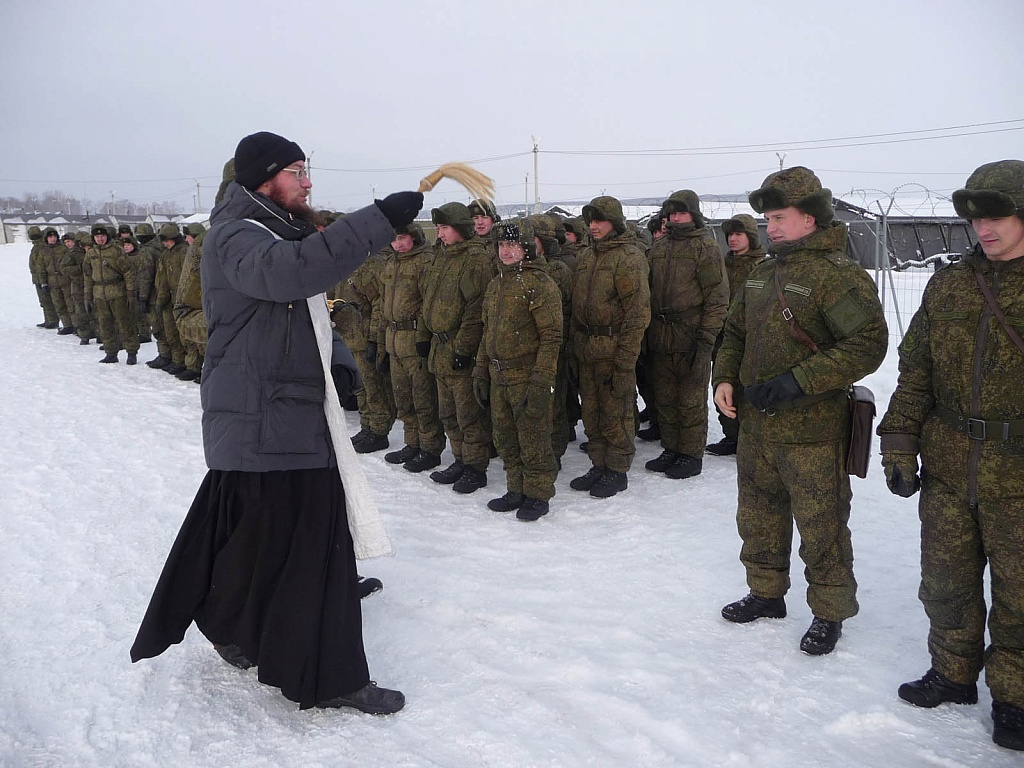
(584, 445)
(145, 338)
(1008, 725)
(586, 482)
(133, 358)
(684, 466)
(532, 509)
(173, 368)
(52, 326)
(110, 358)
(359, 436)
(511, 500)
(611, 482)
(371, 443)
(407, 453)
(159, 362)
(724, 447)
(83, 342)
(450, 474)
(421, 461)
(43, 324)
(821, 637)
(662, 462)
(752, 607)
(651, 433)
(67, 330)
(935, 688)
(187, 375)
(470, 480)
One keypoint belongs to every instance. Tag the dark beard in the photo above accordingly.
(302, 211)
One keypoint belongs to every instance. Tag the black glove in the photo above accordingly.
(482, 391)
(144, 306)
(370, 354)
(45, 287)
(901, 473)
(423, 348)
(384, 364)
(133, 306)
(461, 362)
(780, 389)
(401, 208)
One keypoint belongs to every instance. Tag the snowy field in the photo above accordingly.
(590, 638)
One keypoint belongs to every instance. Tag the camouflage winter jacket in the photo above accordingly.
(71, 267)
(50, 256)
(402, 296)
(108, 272)
(188, 304)
(738, 268)
(36, 265)
(611, 301)
(835, 301)
(522, 326)
(689, 291)
(360, 292)
(958, 364)
(149, 258)
(168, 273)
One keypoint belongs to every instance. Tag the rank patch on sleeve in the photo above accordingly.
(847, 315)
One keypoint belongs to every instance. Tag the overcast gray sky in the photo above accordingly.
(143, 98)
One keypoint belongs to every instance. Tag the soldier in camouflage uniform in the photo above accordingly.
(188, 306)
(794, 425)
(959, 404)
(153, 322)
(168, 274)
(576, 236)
(611, 308)
(745, 251)
(515, 369)
(110, 286)
(37, 266)
(453, 292)
(74, 297)
(51, 252)
(413, 385)
(124, 232)
(689, 299)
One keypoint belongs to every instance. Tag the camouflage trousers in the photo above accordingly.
(782, 482)
(956, 542)
(523, 442)
(171, 337)
(142, 325)
(376, 400)
(156, 322)
(117, 328)
(67, 295)
(680, 399)
(46, 302)
(416, 402)
(560, 429)
(730, 427)
(60, 305)
(609, 415)
(84, 322)
(464, 421)
(192, 332)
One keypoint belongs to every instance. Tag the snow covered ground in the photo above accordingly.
(592, 637)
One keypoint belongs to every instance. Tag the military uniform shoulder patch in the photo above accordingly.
(848, 315)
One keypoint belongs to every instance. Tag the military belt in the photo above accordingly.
(513, 362)
(444, 336)
(599, 330)
(674, 317)
(404, 325)
(803, 402)
(980, 429)
(111, 281)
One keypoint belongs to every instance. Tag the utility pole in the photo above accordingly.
(536, 177)
(199, 201)
(526, 193)
(782, 158)
(111, 202)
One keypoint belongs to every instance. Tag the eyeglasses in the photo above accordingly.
(300, 173)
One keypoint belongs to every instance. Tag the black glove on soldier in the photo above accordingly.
(780, 389)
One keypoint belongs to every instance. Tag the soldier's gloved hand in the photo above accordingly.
(384, 364)
(370, 353)
(423, 348)
(782, 388)
(482, 391)
(461, 362)
(901, 473)
(400, 208)
(538, 398)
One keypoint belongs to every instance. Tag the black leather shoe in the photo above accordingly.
(821, 637)
(367, 587)
(233, 655)
(724, 447)
(1008, 725)
(470, 480)
(610, 483)
(369, 699)
(511, 500)
(752, 607)
(422, 461)
(662, 462)
(450, 474)
(586, 482)
(684, 466)
(935, 688)
(532, 509)
(402, 455)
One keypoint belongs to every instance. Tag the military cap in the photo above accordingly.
(483, 208)
(50, 231)
(169, 231)
(455, 215)
(993, 191)
(605, 208)
(797, 187)
(35, 233)
(520, 231)
(84, 238)
(124, 229)
(99, 228)
(745, 223)
(415, 231)
(195, 229)
(69, 236)
(683, 201)
(144, 229)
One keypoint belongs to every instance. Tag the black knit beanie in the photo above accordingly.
(261, 156)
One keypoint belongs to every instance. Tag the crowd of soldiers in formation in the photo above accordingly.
(451, 348)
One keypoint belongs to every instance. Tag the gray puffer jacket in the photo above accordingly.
(263, 383)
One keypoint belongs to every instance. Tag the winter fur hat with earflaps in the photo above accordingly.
(415, 231)
(993, 191)
(797, 187)
(741, 222)
(456, 216)
(545, 227)
(605, 208)
(683, 201)
(519, 231)
(484, 208)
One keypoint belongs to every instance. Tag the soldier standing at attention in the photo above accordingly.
(110, 288)
(71, 268)
(37, 267)
(744, 252)
(515, 370)
(168, 274)
(959, 404)
(188, 305)
(794, 425)
(149, 255)
(611, 307)
(453, 292)
(51, 252)
(689, 299)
